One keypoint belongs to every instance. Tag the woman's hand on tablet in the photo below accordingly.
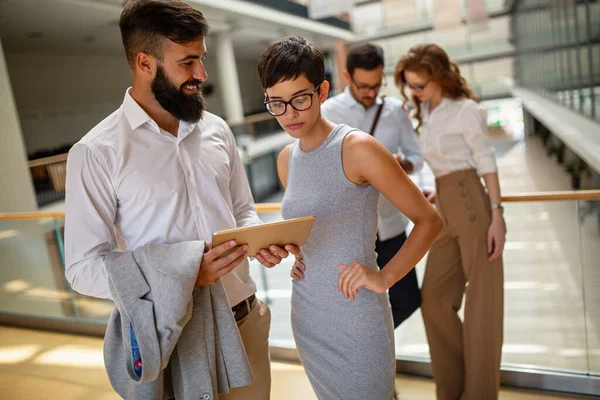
(274, 254)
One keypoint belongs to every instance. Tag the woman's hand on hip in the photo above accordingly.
(496, 237)
(355, 275)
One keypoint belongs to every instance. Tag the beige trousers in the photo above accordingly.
(254, 330)
(465, 356)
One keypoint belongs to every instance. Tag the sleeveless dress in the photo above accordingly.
(346, 347)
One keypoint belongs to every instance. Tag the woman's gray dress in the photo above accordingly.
(346, 347)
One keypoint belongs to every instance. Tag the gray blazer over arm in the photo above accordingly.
(188, 339)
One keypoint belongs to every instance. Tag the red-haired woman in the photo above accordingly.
(465, 356)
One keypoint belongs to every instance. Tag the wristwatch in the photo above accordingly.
(498, 206)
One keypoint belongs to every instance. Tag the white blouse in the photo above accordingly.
(454, 137)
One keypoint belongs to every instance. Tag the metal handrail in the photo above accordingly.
(31, 215)
(251, 119)
(569, 195)
(38, 162)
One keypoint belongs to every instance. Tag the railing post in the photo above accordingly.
(61, 251)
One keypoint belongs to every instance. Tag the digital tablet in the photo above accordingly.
(290, 231)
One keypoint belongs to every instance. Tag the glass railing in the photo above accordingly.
(551, 269)
(32, 280)
(552, 286)
(558, 52)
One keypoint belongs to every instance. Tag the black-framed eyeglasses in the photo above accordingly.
(417, 88)
(301, 102)
(367, 88)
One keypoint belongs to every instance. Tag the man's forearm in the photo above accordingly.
(88, 277)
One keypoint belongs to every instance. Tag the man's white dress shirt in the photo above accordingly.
(131, 183)
(394, 131)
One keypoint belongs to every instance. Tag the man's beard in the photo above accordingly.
(367, 102)
(184, 107)
(362, 100)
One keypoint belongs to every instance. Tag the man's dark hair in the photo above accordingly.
(287, 59)
(364, 56)
(145, 24)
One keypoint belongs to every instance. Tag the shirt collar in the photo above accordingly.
(444, 103)
(137, 116)
(351, 102)
(185, 128)
(426, 105)
(134, 112)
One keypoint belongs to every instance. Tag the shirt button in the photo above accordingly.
(206, 396)
(197, 208)
(189, 172)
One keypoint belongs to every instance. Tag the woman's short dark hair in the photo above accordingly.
(364, 56)
(287, 59)
(145, 24)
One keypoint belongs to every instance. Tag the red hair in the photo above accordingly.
(432, 60)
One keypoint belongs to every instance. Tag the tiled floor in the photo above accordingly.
(49, 366)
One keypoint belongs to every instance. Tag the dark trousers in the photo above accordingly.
(405, 296)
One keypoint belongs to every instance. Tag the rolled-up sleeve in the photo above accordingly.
(90, 209)
(473, 120)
